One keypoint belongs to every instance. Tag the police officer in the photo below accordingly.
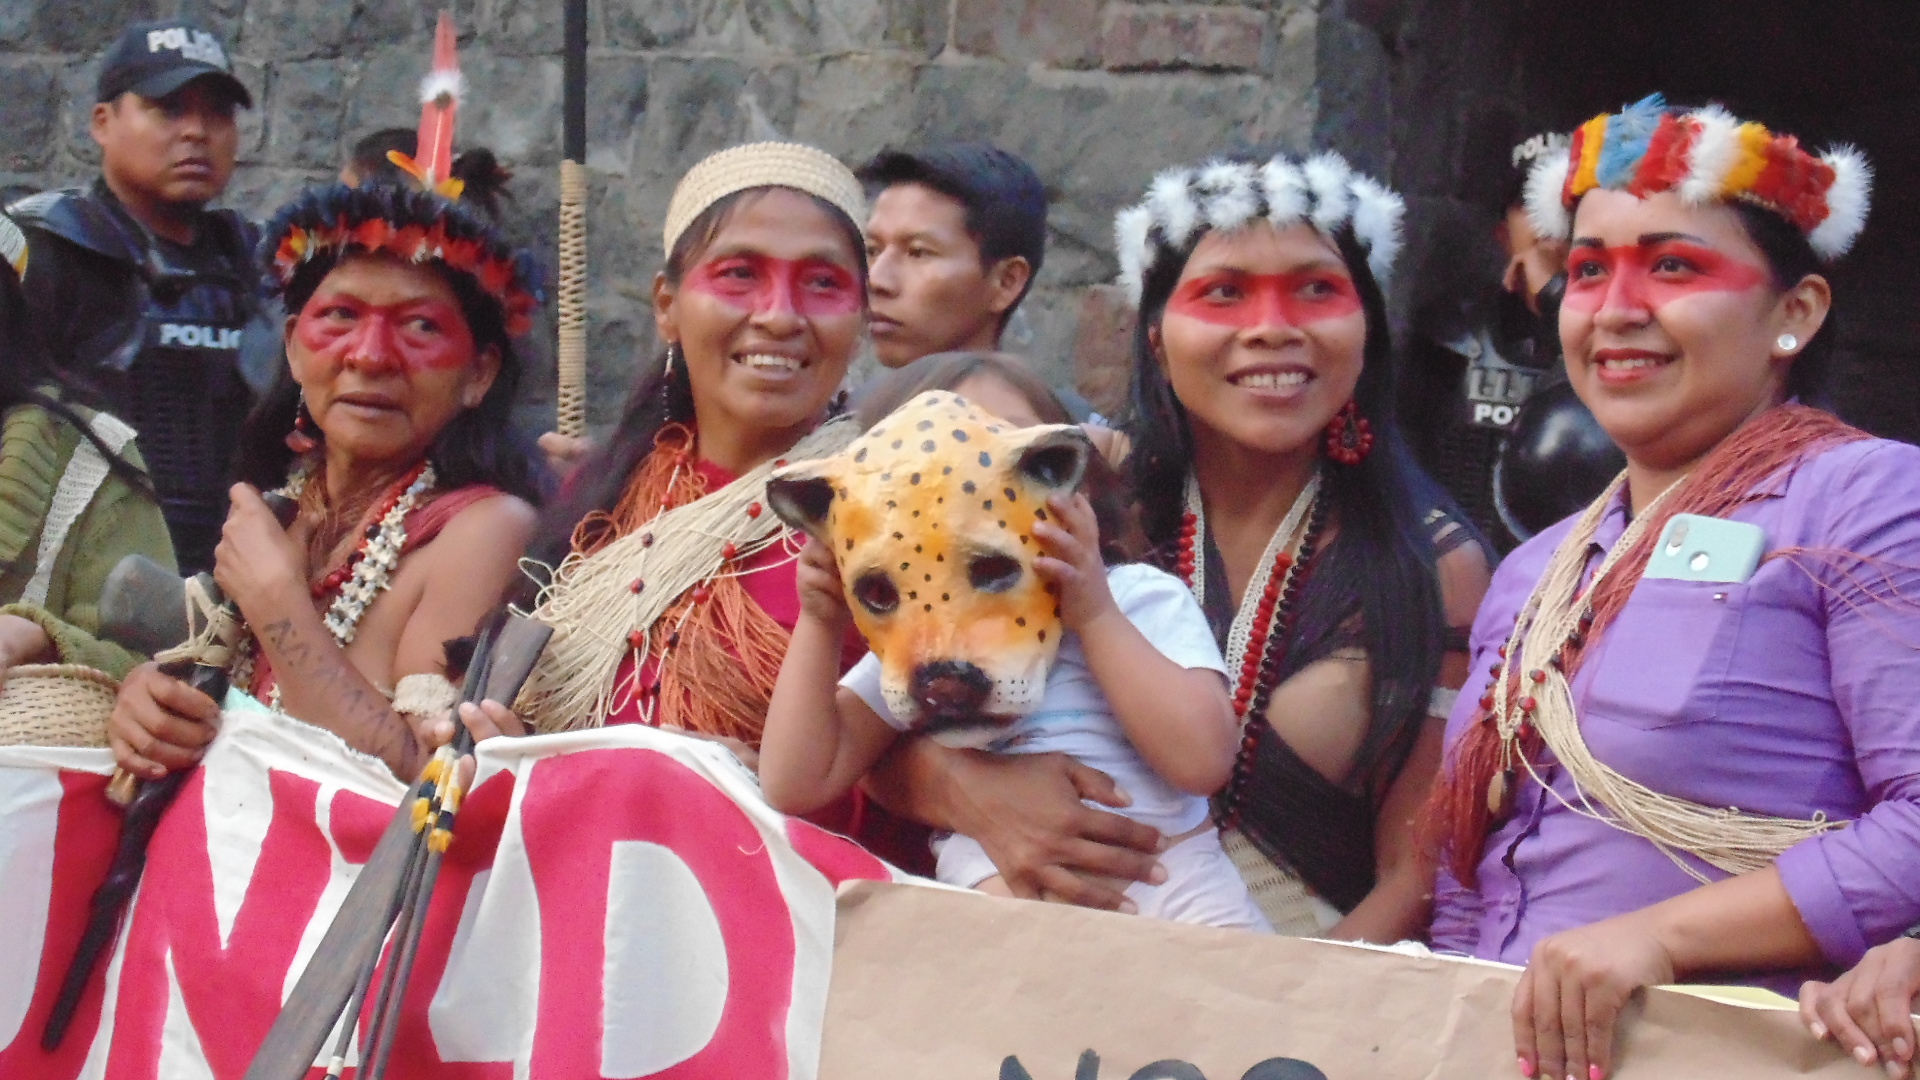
(1486, 400)
(139, 291)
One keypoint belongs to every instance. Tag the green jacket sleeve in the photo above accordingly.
(121, 521)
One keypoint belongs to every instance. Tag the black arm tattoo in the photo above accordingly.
(362, 716)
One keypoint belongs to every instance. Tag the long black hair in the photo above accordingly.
(1379, 567)
(662, 395)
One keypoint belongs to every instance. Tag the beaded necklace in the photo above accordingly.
(1264, 618)
(364, 576)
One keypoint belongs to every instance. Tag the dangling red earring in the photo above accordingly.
(1349, 436)
(300, 440)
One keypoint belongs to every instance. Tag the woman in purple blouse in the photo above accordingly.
(1675, 771)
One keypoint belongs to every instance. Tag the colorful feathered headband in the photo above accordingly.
(1707, 156)
(417, 226)
(1323, 191)
(424, 225)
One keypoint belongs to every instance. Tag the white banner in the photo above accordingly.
(617, 903)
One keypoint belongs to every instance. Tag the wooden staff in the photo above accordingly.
(570, 408)
(393, 892)
(145, 802)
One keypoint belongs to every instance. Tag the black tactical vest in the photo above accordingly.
(171, 367)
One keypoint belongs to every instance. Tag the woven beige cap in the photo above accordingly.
(763, 164)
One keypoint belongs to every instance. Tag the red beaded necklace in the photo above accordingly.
(340, 575)
(1264, 620)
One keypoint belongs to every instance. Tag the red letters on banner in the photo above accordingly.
(83, 846)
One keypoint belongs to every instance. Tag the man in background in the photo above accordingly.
(137, 289)
(956, 235)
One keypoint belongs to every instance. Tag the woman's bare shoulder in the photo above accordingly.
(498, 525)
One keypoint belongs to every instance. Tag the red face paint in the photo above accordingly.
(416, 335)
(1232, 298)
(753, 282)
(1653, 275)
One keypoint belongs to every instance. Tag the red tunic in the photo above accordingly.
(771, 579)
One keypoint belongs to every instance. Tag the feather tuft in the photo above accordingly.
(1377, 213)
(443, 87)
(1848, 200)
(1174, 209)
(1286, 190)
(1716, 147)
(1228, 196)
(1546, 184)
(1327, 176)
(1133, 242)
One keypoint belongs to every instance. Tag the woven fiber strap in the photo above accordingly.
(590, 604)
(757, 165)
(1280, 893)
(214, 631)
(1724, 837)
(86, 470)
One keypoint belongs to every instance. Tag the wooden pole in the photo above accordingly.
(571, 399)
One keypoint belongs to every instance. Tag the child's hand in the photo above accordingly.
(1072, 563)
(821, 594)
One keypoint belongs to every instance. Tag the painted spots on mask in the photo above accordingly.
(936, 552)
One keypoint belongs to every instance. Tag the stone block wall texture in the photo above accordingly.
(1098, 94)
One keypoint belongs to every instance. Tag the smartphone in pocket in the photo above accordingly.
(1696, 548)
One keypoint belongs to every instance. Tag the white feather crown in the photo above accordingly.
(1322, 191)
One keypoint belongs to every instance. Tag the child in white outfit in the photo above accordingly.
(1134, 635)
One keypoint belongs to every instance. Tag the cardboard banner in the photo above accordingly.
(622, 903)
(617, 903)
(946, 985)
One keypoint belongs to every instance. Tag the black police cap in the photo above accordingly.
(153, 59)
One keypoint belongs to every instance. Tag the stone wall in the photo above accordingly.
(1096, 93)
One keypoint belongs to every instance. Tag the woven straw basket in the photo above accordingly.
(56, 705)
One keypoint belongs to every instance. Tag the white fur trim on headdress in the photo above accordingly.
(1135, 246)
(1546, 182)
(1327, 177)
(1716, 146)
(1324, 192)
(437, 83)
(1847, 203)
(1227, 195)
(1286, 190)
(1377, 213)
(1174, 209)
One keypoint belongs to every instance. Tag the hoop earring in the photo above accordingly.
(303, 439)
(1349, 435)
